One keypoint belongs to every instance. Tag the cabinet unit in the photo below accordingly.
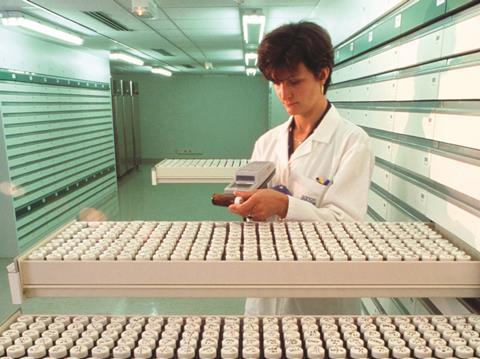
(126, 121)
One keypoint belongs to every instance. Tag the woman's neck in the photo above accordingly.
(304, 123)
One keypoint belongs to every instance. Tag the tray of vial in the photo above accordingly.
(196, 170)
(228, 259)
(211, 337)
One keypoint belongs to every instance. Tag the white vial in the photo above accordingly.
(422, 352)
(67, 342)
(186, 353)
(229, 352)
(443, 352)
(464, 352)
(337, 352)
(208, 352)
(251, 352)
(11, 334)
(455, 342)
(164, 352)
(101, 352)
(400, 351)
(79, 351)
(143, 352)
(380, 352)
(25, 341)
(105, 342)
(315, 352)
(358, 352)
(58, 351)
(294, 352)
(46, 342)
(15, 351)
(86, 342)
(354, 342)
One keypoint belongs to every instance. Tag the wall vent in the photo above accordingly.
(107, 20)
(163, 52)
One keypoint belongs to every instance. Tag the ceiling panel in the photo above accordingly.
(202, 13)
(224, 55)
(195, 31)
(273, 3)
(195, 3)
(219, 25)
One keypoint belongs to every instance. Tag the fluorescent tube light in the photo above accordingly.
(160, 71)
(251, 58)
(251, 71)
(41, 28)
(127, 58)
(253, 24)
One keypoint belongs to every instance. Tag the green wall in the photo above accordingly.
(277, 113)
(214, 116)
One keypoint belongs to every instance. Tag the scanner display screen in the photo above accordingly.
(243, 178)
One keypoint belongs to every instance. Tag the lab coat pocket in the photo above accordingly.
(310, 190)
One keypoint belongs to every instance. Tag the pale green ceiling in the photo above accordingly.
(196, 31)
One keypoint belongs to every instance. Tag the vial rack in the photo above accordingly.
(211, 337)
(292, 259)
(196, 170)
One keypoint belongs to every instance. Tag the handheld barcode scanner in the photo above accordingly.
(253, 175)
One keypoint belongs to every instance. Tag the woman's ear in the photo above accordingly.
(323, 74)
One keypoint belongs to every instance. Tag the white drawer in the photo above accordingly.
(383, 91)
(460, 130)
(378, 204)
(381, 148)
(422, 87)
(381, 177)
(412, 159)
(461, 84)
(461, 176)
(420, 50)
(411, 194)
(460, 37)
(414, 124)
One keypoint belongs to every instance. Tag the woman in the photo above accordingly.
(323, 162)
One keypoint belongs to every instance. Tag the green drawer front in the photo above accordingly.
(420, 13)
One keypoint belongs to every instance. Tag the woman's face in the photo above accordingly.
(299, 90)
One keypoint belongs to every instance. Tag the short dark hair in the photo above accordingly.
(289, 45)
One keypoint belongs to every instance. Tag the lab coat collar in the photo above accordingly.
(323, 133)
(325, 130)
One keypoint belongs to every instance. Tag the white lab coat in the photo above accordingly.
(338, 151)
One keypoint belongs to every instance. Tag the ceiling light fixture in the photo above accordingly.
(146, 9)
(251, 58)
(126, 58)
(161, 71)
(19, 20)
(251, 71)
(253, 28)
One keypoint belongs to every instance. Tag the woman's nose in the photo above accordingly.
(285, 93)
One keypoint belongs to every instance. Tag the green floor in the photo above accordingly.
(139, 200)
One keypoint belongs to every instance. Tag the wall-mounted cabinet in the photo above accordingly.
(126, 122)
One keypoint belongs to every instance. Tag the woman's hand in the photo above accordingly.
(261, 204)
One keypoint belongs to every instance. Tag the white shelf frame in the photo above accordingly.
(32, 278)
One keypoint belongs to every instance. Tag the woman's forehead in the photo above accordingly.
(285, 73)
